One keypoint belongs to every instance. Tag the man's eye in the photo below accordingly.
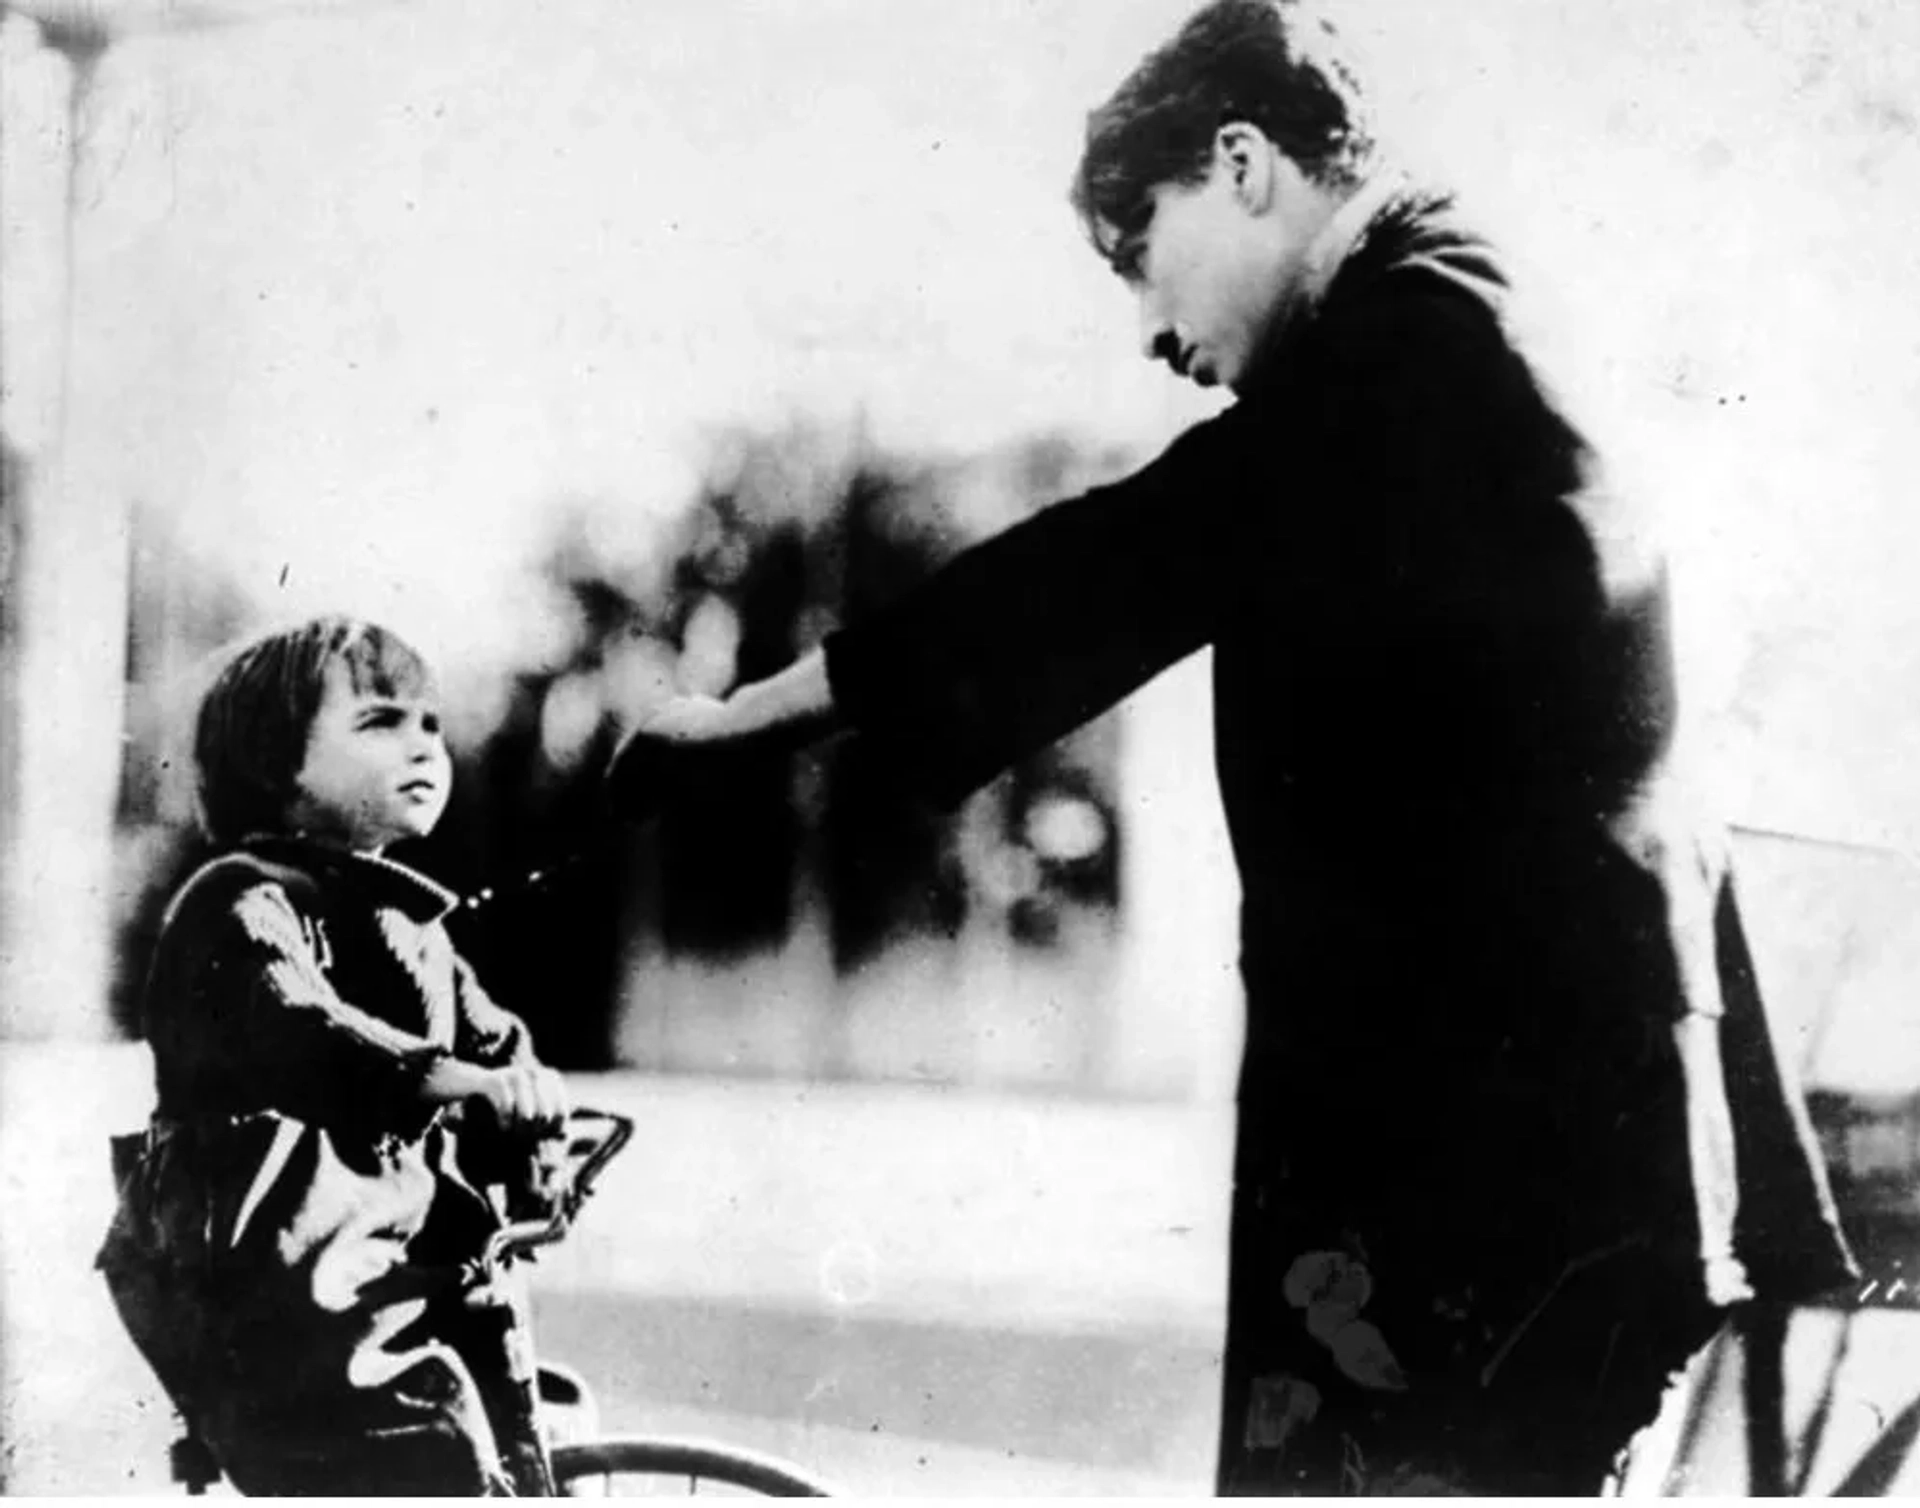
(1130, 259)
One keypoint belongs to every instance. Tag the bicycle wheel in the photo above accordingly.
(649, 1465)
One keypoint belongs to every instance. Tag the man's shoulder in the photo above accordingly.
(1413, 229)
(1415, 306)
(1409, 336)
(1418, 270)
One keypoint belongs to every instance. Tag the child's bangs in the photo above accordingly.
(381, 663)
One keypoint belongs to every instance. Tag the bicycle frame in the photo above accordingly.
(536, 1465)
(515, 1404)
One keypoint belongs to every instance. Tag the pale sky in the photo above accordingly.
(361, 295)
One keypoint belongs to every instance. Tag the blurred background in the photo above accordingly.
(604, 350)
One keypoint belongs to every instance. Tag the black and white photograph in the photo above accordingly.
(1055, 748)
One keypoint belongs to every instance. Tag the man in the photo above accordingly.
(1512, 1129)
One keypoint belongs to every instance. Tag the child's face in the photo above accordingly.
(376, 769)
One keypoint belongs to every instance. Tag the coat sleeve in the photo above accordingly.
(1307, 502)
(486, 1033)
(276, 1018)
(1023, 638)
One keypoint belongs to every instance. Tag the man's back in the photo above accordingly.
(1479, 891)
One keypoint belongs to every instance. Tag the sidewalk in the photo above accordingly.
(915, 1290)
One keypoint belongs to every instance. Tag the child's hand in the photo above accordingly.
(526, 1095)
(520, 1095)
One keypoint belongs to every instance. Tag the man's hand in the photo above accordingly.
(689, 741)
(687, 720)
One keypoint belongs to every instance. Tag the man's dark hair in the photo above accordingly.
(250, 739)
(1267, 63)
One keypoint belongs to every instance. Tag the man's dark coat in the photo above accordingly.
(1478, 892)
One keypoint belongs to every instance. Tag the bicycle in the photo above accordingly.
(541, 1402)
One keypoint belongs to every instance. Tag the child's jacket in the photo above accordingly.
(277, 1221)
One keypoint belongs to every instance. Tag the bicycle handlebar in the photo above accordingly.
(523, 1236)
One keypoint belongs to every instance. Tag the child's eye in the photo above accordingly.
(430, 721)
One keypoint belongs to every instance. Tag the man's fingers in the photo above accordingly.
(685, 719)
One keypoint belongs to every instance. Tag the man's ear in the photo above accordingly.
(1248, 157)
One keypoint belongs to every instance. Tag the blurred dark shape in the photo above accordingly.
(789, 537)
(898, 867)
(790, 533)
(651, 779)
(541, 923)
(1060, 812)
(728, 842)
(891, 868)
(574, 886)
(1871, 1145)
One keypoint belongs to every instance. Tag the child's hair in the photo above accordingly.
(250, 739)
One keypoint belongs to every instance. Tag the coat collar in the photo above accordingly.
(1388, 223)
(1350, 225)
(383, 881)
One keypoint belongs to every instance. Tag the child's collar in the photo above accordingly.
(391, 883)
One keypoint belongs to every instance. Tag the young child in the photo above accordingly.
(286, 1221)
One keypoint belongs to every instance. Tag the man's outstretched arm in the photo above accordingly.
(794, 706)
(693, 736)
(1011, 645)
